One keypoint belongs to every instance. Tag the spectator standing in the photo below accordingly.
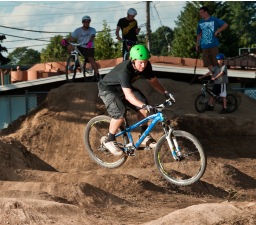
(208, 30)
(129, 27)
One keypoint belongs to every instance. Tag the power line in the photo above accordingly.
(14, 28)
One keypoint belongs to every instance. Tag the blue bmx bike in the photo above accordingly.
(178, 155)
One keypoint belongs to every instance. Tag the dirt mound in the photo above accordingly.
(47, 176)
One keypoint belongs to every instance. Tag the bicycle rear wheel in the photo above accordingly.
(201, 103)
(192, 164)
(88, 71)
(71, 68)
(95, 132)
(232, 103)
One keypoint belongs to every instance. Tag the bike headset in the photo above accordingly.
(86, 18)
(220, 56)
(132, 12)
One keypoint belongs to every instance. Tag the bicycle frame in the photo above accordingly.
(128, 47)
(158, 117)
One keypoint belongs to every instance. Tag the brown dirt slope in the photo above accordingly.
(47, 177)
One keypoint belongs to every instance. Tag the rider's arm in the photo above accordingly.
(154, 82)
(131, 97)
(117, 33)
(218, 76)
(206, 75)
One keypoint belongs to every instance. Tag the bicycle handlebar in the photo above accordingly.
(129, 42)
(161, 107)
(77, 44)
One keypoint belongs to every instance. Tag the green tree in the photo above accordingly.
(243, 22)
(104, 44)
(160, 41)
(3, 60)
(54, 52)
(183, 44)
(24, 56)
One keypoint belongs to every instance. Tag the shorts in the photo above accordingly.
(86, 52)
(115, 101)
(209, 56)
(220, 90)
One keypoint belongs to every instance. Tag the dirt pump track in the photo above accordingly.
(47, 177)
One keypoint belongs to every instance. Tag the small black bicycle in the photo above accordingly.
(201, 102)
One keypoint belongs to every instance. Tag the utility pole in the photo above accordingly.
(148, 32)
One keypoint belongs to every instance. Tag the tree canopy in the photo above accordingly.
(178, 42)
(24, 56)
(54, 52)
(240, 33)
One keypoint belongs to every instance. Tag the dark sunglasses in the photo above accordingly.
(86, 21)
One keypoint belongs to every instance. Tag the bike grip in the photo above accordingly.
(89, 44)
(64, 42)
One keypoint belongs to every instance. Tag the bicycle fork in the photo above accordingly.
(173, 144)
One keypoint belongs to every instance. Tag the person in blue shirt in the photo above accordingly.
(208, 30)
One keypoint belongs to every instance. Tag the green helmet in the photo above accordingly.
(139, 52)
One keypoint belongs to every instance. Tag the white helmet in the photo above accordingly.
(132, 12)
(86, 18)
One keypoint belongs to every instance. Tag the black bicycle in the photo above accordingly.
(129, 44)
(74, 65)
(201, 102)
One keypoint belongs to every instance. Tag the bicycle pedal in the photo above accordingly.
(130, 153)
(147, 148)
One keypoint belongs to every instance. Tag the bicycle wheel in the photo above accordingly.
(88, 71)
(126, 56)
(192, 164)
(232, 103)
(71, 68)
(201, 103)
(96, 131)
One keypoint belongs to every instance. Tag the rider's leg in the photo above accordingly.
(116, 110)
(94, 65)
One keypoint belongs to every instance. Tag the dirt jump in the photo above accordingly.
(47, 177)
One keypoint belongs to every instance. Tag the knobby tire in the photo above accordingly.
(186, 171)
(95, 129)
(201, 103)
(71, 67)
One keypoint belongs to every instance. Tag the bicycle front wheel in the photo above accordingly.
(71, 68)
(96, 131)
(232, 103)
(201, 103)
(191, 164)
(88, 72)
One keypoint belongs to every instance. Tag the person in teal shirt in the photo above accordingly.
(208, 30)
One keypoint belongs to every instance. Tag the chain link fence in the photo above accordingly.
(34, 99)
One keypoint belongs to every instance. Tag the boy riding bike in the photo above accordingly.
(220, 77)
(117, 92)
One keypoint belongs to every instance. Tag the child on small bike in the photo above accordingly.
(220, 77)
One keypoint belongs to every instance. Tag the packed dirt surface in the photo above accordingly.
(47, 177)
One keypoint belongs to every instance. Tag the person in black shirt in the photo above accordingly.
(117, 92)
(129, 27)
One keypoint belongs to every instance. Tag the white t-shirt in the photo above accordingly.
(83, 36)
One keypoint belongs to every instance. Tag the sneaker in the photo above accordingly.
(223, 111)
(113, 147)
(149, 142)
(209, 108)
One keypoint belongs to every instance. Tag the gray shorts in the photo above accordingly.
(115, 101)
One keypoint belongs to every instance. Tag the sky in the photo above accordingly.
(45, 19)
